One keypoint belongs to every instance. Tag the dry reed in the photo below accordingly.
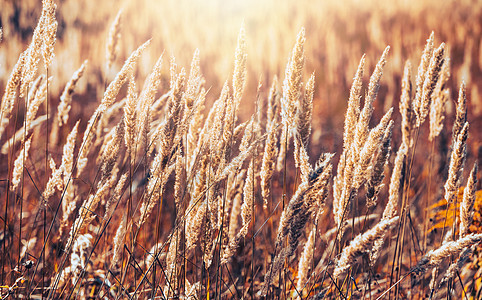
(195, 154)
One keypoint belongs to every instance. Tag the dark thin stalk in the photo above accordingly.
(402, 221)
(46, 170)
(427, 199)
(283, 271)
(55, 216)
(23, 184)
(7, 192)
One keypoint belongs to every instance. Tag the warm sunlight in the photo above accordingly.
(240, 149)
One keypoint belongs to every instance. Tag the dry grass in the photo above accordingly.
(145, 179)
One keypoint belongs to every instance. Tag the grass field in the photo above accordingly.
(240, 149)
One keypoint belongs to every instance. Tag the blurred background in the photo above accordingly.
(338, 33)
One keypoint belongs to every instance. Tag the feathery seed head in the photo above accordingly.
(35, 103)
(194, 82)
(19, 164)
(292, 82)
(406, 109)
(435, 257)
(10, 94)
(66, 97)
(121, 77)
(460, 113)
(374, 183)
(361, 132)
(440, 96)
(431, 78)
(353, 109)
(68, 154)
(457, 160)
(273, 106)
(240, 61)
(305, 111)
(361, 244)
(113, 40)
(374, 83)
(130, 114)
(467, 206)
(421, 74)
(49, 33)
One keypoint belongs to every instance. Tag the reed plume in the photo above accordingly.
(303, 129)
(421, 76)
(296, 214)
(33, 52)
(155, 254)
(467, 205)
(66, 97)
(353, 109)
(430, 81)
(440, 96)
(146, 98)
(18, 165)
(457, 160)
(248, 200)
(373, 143)
(119, 240)
(460, 113)
(194, 82)
(246, 215)
(61, 176)
(374, 182)
(435, 257)
(113, 40)
(87, 211)
(305, 111)
(159, 170)
(361, 130)
(87, 141)
(351, 118)
(49, 32)
(232, 217)
(456, 266)
(360, 245)
(292, 83)
(35, 104)
(305, 263)
(78, 258)
(406, 106)
(130, 115)
(270, 150)
(394, 190)
(364, 142)
(240, 61)
(10, 94)
(121, 77)
(111, 152)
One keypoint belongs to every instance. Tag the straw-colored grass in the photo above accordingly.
(145, 179)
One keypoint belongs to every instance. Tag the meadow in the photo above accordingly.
(240, 149)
